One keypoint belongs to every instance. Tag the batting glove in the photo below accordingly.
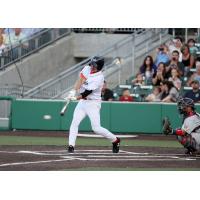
(72, 98)
(72, 93)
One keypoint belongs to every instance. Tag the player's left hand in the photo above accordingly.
(73, 98)
(70, 98)
(71, 94)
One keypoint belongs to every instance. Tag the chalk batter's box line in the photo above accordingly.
(89, 152)
(103, 152)
(132, 156)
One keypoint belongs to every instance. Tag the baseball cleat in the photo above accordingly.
(70, 149)
(116, 145)
(190, 152)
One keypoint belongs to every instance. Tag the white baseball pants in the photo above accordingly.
(92, 109)
(196, 136)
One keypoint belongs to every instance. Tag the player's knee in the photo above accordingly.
(181, 139)
(74, 124)
(96, 129)
(187, 141)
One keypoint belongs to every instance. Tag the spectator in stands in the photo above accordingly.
(15, 37)
(8, 30)
(148, 69)
(163, 93)
(196, 75)
(155, 95)
(174, 63)
(126, 96)
(194, 94)
(2, 32)
(28, 32)
(176, 45)
(169, 92)
(160, 75)
(162, 55)
(175, 78)
(187, 59)
(138, 80)
(2, 45)
(193, 48)
(106, 94)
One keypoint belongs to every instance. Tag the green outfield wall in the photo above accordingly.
(118, 117)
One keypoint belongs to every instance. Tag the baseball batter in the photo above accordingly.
(189, 134)
(89, 85)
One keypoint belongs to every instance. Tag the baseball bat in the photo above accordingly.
(62, 112)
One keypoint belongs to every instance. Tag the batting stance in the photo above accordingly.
(89, 85)
(189, 134)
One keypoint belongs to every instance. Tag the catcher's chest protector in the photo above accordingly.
(191, 123)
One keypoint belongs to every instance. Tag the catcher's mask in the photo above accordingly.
(183, 103)
(97, 62)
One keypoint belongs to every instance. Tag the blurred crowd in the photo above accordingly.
(175, 67)
(15, 36)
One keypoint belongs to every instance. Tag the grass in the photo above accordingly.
(60, 141)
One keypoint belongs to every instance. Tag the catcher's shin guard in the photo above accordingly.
(116, 145)
(189, 143)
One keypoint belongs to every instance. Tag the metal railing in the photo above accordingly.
(46, 37)
(120, 63)
(13, 90)
(107, 30)
(16, 52)
(186, 33)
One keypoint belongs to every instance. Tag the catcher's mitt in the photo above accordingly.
(167, 129)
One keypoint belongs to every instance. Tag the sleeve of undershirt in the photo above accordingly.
(85, 72)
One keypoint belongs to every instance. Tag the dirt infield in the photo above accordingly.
(42, 158)
(131, 157)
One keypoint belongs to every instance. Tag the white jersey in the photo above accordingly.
(191, 123)
(94, 82)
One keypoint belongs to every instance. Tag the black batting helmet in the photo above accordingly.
(98, 62)
(183, 103)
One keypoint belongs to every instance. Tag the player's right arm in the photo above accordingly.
(79, 82)
(82, 78)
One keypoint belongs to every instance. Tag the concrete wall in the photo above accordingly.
(87, 44)
(42, 65)
(64, 53)
(57, 57)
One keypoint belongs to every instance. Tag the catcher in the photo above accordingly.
(189, 134)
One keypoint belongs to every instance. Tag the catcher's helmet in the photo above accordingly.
(97, 62)
(183, 103)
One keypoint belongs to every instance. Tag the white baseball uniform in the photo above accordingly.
(90, 106)
(191, 125)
